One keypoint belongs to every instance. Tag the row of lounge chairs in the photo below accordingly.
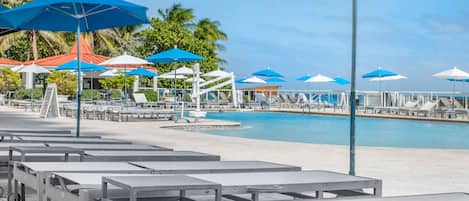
(108, 169)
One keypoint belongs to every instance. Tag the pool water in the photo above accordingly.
(320, 129)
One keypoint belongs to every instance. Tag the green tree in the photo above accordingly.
(177, 14)
(66, 82)
(209, 30)
(163, 35)
(117, 82)
(9, 80)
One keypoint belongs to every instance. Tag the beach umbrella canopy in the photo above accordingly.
(17, 68)
(454, 73)
(253, 80)
(275, 80)
(33, 68)
(5, 27)
(216, 73)
(125, 59)
(183, 71)
(341, 81)
(84, 66)
(319, 78)
(110, 73)
(267, 73)
(394, 77)
(304, 78)
(171, 76)
(141, 72)
(379, 73)
(174, 55)
(75, 16)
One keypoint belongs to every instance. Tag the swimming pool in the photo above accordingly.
(319, 129)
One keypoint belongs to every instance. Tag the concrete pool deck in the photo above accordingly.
(403, 170)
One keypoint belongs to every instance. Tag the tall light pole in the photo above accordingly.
(352, 88)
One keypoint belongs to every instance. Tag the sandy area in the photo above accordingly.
(403, 171)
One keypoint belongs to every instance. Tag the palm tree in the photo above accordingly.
(178, 14)
(209, 31)
(55, 42)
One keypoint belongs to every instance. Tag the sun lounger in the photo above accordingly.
(5, 146)
(408, 107)
(149, 156)
(141, 99)
(111, 147)
(193, 167)
(67, 140)
(12, 136)
(291, 183)
(426, 109)
(426, 197)
(87, 187)
(159, 183)
(33, 174)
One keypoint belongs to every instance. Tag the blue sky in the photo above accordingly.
(414, 38)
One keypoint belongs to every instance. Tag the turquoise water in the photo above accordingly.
(320, 129)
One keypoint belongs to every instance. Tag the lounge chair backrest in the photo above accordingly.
(260, 97)
(223, 97)
(140, 98)
(285, 98)
(445, 102)
(428, 106)
(410, 104)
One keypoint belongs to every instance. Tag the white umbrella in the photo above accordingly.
(125, 59)
(254, 80)
(216, 73)
(33, 68)
(319, 78)
(453, 75)
(17, 68)
(183, 71)
(110, 73)
(395, 77)
(194, 79)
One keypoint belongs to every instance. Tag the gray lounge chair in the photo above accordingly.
(149, 156)
(111, 147)
(425, 197)
(67, 140)
(88, 186)
(427, 109)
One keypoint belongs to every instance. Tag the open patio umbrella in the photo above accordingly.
(453, 75)
(174, 55)
(30, 70)
(394, 77)
(304, 77)
(5, 27)
(379, 74)
(341, 81)
(171, 76)
(125, 60)
(141, 72)
(275, 80)
(110, 73)
(319, 79)
(84, 67)
(17, 68)
(216, 73)
(252, 80)
(75, 16)
(267, 73)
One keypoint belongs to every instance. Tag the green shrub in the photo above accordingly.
(23, 94)
(152, 96)
(90, 94)
(116, 94)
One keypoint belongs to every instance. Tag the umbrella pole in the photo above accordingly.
(175, 99)
(453, 99)
(352, 89)
(78, 81)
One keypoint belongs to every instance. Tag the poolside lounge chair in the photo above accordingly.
(88, 186)
(34, 173)
(427, 109)
(148, 156)
(141, 99)
(223, 98)
(111, 147)
(67, 140)
(407, 108)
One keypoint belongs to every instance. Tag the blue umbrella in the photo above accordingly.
(240, 80)
(275, 80)
(304, 78)
(172, 56)
(341, 81)
(267, 73)
(84, 67)
(379, 73)
(75, 16)
(5, 27)
(141, 72)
